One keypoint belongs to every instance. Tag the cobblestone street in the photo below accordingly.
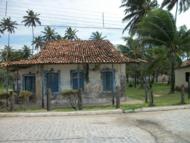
(149, 127)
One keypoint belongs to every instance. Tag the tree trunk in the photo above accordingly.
(182, 94)
(7, 81)
(32, 39)
(146, 90)
(151, 96)
(176, 11)
(172, 88)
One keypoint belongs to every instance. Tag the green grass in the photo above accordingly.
(1, 88)
(165, 98)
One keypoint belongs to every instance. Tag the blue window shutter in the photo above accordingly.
(108, 80)
(52, 81)
(75, 76)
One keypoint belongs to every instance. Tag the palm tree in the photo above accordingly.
(182, 4)
(31, 20)
(26, 52)
(135, 10)
(8, 25)
(97, 36)
(70, 34)
(159, 28)
(49, 34)
(38, 42)
(1, 30)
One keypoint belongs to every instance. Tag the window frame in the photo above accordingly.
(58, 81)
(113, 79)
(72, 78)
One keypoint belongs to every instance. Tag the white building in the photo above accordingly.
(96, 67)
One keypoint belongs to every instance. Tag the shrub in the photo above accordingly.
(25, 94)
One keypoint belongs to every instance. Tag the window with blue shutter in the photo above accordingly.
(107, 80)
(52, 81)
(29, 83)
(77, 79)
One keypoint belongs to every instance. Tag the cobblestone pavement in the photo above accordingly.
(152, 127)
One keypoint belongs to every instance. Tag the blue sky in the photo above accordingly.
(76, 13)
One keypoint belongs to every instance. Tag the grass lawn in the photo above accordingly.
(1, 88)
(162, 97)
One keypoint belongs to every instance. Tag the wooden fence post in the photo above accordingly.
(49, 94)
(79, 100)
(118, 94)
(182, 94)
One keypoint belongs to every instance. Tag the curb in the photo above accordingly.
(154, 109)
(55, 114)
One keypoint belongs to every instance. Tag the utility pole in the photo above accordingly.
(103, 25)
(6, 4)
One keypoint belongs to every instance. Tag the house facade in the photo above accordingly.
(95, 67)
(182, 74)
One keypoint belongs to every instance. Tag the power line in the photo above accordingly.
(75, 26)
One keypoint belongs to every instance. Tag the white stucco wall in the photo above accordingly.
(95, 82)
(180, 76)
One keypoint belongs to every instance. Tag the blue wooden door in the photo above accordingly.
(108, 80)
(52, 81)
(29, 82)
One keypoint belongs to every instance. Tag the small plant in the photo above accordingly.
(24, 94)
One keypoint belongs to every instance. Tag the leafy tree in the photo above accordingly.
(14, 55)
(183, 41)
(38, 42)
(70, 34)
(133, 50)
(97, 36)
(135, 10)
(31, 20)
(158, 28)
(26, 52)
(49, 34)
(183, 5)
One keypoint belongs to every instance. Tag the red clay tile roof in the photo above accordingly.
(185, 64)
(74, 52)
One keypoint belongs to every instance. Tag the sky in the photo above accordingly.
(84, 15)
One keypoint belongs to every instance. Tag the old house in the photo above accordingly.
(96, 67)
(182, 74)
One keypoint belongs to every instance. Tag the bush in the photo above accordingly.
(68, 92)
(25, 94)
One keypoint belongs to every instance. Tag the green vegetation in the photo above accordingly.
(162, 97)
(1, 88)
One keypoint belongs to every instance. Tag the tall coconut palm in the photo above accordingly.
(70, 34)
(38, 42)
(9, 26)
(182, 5)
(158, 28)
(135, 10)
(49, 34)
(97, 36)
(31, 20)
